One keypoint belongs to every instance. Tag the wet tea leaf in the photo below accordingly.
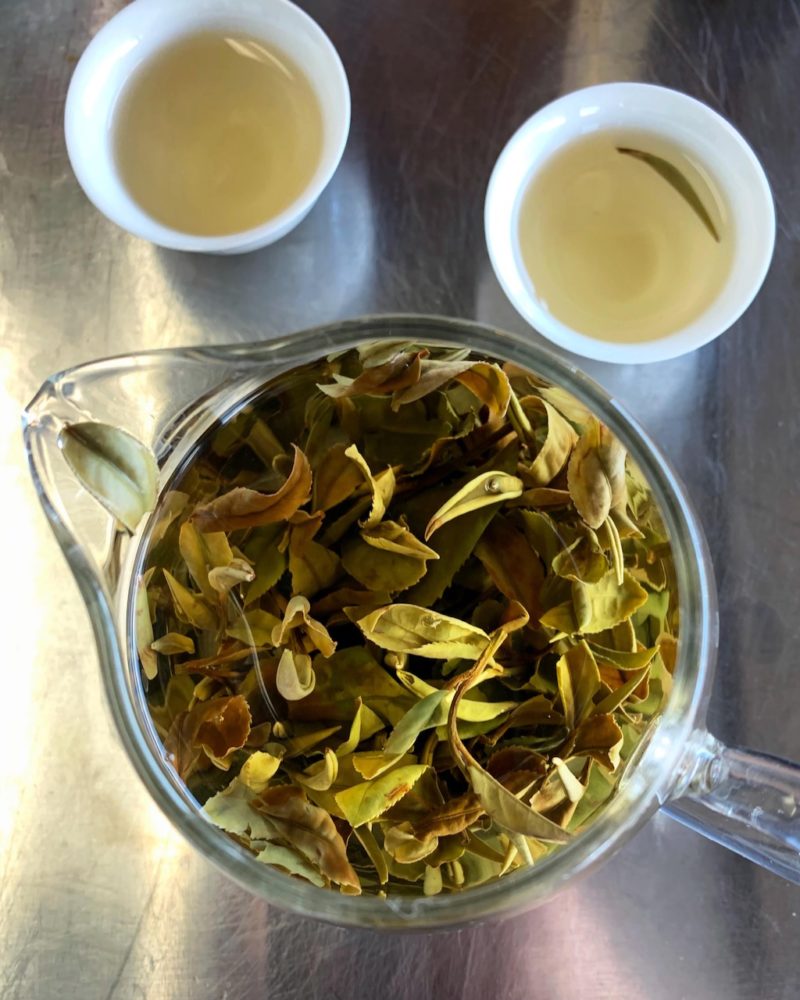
(172, 643)
(677, 180)
(295, 678)
(290, 861)
(246, 508)
(365, 802)
(410, 629)
(489, 488)
(310, 830)
(406, 715)
(119, 471)
(596, 474)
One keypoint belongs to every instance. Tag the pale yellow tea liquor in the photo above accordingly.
(624, 237)
(217, 134)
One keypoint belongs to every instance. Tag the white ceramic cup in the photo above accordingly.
(686, 123)
(131, 38)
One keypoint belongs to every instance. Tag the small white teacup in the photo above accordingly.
(680, 120)
(145, 27)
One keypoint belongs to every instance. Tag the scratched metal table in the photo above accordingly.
(100, 898)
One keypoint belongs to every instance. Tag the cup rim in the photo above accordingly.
(506, 188)
(657, 771)
(121, 208)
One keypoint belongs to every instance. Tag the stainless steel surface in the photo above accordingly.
(100, 897)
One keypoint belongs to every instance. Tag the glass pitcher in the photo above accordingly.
(168, 399)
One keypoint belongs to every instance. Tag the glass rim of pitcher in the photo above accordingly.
(647, 782)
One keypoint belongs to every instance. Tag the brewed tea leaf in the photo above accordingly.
(119, 471)
(246, 508)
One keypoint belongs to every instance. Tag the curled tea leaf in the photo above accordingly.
(172, 643)
(224, 578)
(489, 488)
(246, 508)
(381, 486)
(295, 677)
(321, 774)
(119, 471)
(297, 619)
(258, 770)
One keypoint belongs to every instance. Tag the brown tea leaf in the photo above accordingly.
(214, 727)
(399, 372)
(310, 830)
(245, 508)
(514, 569)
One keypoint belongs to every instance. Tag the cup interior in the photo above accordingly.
(704, 135)
(145, 27)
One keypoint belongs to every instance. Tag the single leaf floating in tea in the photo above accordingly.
(119, 471)
(403, 620)
(678, 180)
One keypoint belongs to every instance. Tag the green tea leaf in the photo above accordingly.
(407, 628)
(290, 861)
(431, 711)
(119, 471)
(609, 603)
(232, 811)
(484, 490)
(367, 801)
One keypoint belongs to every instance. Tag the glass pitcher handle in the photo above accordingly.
(744, 800)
